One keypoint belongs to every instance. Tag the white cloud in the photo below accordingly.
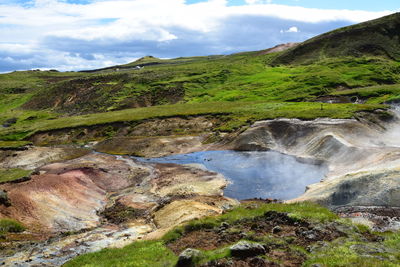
(291, 29)
(35, 28)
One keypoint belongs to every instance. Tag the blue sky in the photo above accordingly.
(85, 34)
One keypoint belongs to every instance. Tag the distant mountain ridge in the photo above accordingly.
(379, 37)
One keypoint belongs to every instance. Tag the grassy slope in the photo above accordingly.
(375, 37)
(240, 77)
(337, 253)
(241, 85)
(17, 88)
(236, 114)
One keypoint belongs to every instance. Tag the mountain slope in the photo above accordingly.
(380, 37)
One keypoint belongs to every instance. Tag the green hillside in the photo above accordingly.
(378, 37)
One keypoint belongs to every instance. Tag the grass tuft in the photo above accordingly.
(10, 226)
(138, 254)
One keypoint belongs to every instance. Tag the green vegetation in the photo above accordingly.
(235, 114)
(240, 89)
(10, 226)
(376, 37)
(349, 249)
(374, 94)
(13, 144)
(353, 253)
(240, 77)
(10, 175)
(138, 254)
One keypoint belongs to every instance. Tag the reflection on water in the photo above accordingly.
(254, 174)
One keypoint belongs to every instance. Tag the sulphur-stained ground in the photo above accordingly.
(101, 200)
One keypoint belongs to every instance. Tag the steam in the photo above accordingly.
(391, 137)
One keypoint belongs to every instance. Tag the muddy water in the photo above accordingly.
(254, 174)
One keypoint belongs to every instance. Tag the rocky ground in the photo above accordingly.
(276, 239)
(282, 230)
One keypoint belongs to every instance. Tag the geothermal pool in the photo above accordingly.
(254, 174)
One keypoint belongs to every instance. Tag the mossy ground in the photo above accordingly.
(10, 175)
(10, 226)
(13, 144)
(334, 248)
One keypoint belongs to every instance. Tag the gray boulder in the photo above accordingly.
(245, 249)
(188, 257)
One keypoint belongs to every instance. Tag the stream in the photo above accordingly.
(254, 174)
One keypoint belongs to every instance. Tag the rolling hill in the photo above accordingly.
(378, 37)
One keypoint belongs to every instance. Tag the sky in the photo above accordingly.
(71, 35)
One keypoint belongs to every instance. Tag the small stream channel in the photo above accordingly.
(254, 174)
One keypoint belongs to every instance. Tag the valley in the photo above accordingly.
(294, 150)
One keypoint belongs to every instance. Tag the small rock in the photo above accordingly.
(187, 257)
(9, 122)
(310, 235)
(317, 246)
(243, 235)
(245, 249)
(224, 225)
(276, 229)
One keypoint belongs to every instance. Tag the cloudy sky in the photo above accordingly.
(84, 34)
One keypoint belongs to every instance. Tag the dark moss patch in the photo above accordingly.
(119, 213)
